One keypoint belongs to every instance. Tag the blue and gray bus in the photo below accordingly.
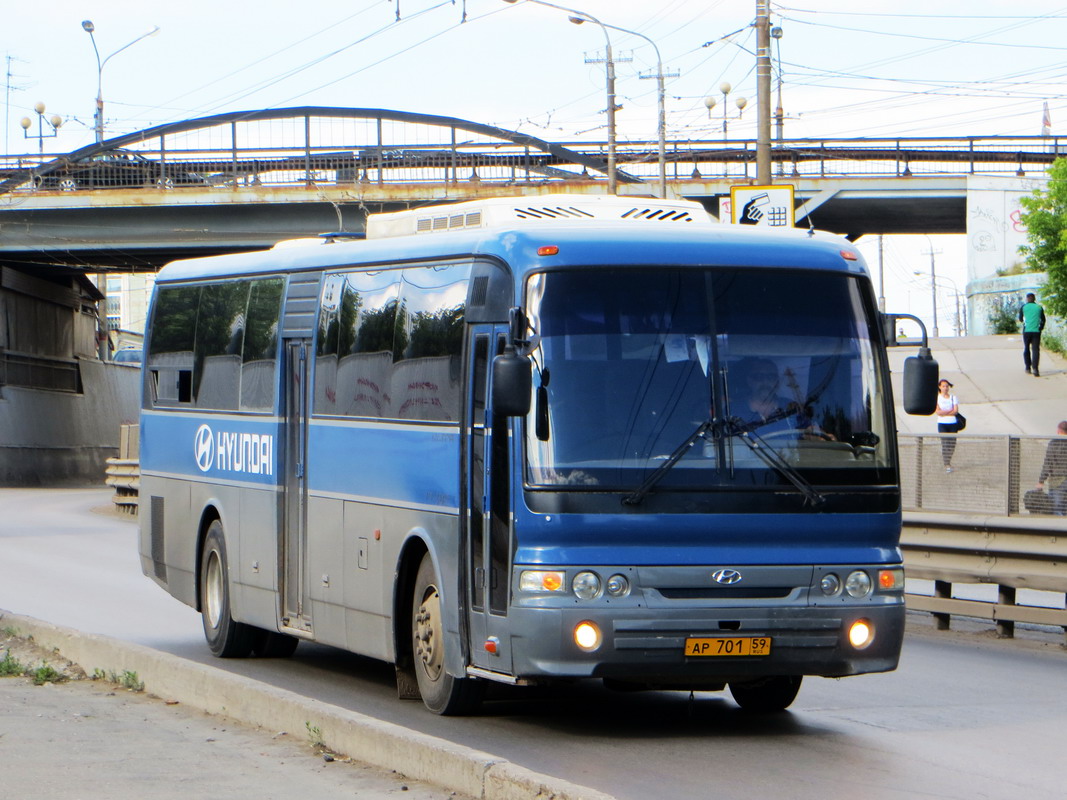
(525, 440)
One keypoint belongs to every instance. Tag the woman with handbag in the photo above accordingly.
(948, 420)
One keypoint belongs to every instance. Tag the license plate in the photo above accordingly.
(728, 646)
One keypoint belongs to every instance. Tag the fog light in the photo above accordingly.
(861, 634)
(858, 584)
(587, 636)
(586, 585)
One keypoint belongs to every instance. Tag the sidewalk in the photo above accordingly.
(85, 739)
(995, 394)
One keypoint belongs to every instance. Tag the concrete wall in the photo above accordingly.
(49, 438)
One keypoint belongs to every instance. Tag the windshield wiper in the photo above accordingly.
(646, 486)
(746, 433)
(773, 459)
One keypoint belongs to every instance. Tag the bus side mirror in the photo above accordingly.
(920, 383)
(512, 384)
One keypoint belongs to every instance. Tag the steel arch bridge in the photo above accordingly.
(354, 144)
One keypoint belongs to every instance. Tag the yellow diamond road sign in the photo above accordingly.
(768, 206)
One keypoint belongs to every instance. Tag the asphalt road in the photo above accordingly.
(966, 715)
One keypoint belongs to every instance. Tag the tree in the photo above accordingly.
(1045, 217)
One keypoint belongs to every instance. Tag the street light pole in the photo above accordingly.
(98, 116)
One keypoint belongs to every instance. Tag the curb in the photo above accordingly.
(381, 744)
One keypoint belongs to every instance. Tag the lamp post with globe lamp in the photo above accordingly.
(54, 122)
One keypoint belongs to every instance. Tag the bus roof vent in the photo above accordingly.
(497, 211)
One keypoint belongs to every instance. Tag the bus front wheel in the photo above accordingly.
(766, 695)
(441, 693)
(225, 637)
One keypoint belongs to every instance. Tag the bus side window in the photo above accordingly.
(170, 354)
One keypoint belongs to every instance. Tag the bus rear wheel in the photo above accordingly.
(766, 695)
(225, 637)
(441, 693)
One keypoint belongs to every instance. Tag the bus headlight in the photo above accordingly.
(830, 584)
(587, 636)
(861, 634)
(617, 586)
(858, 584)
(586, 585)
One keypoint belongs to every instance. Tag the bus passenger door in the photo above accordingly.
(489, 516)
(294, 598)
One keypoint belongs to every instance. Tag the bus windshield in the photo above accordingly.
(706, 379)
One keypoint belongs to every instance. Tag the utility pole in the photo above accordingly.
(933, 283)
(881, 276)
(763, 92)
(609, 61)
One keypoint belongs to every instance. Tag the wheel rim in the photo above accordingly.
(213, 590)
(428, 650)
(68, 185)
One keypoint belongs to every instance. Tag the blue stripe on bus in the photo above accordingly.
(416, 465)
(411, 465)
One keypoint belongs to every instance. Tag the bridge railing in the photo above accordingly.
(312, 150)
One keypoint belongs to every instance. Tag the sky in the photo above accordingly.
(882, 68)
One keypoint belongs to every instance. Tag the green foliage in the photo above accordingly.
(1045, 217)
(45, 674)
(1004, 318)
(127, 680)
(10, 667)
(314, 735)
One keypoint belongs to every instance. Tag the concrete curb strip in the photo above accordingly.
(372, 741)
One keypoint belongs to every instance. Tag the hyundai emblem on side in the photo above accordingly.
(726, 577)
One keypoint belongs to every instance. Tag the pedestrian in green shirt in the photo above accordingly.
(1032, 316)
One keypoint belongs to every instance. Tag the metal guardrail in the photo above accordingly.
(124, 472)
(1008, 553)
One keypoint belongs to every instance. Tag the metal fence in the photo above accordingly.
(989, 474)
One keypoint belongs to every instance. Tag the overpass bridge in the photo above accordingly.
(245, 180)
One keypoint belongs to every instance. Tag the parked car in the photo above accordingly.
(116, 169)
(130, 356)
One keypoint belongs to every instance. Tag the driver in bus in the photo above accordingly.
(762, 409)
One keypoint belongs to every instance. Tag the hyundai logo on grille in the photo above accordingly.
(726, 577)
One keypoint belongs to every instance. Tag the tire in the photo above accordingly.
(441, 693)
(67, 185)
(766, 695)
(226, 638)
(271, 644)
